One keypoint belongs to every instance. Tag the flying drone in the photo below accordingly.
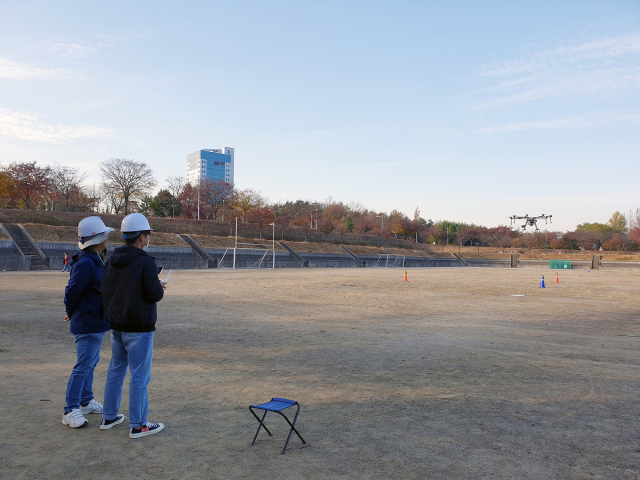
(531, 221)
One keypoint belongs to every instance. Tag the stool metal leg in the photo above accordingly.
(293, 428)
(261, 420)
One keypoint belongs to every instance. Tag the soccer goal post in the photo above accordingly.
(252, 246)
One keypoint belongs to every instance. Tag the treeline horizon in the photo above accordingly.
(126, 186)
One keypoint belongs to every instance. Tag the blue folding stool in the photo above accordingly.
(276, 405)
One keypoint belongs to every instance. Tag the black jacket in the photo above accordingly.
(130, 290)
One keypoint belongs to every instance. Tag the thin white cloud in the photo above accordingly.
(21, 71)
(80, 50)
(68, 49)
(29, 126)
(572, 122)
(606, 48)
(608, 66)
(108, 39)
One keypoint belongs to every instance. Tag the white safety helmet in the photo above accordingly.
(133, 224)
(92, 231)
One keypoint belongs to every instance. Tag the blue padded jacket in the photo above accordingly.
(82, 297)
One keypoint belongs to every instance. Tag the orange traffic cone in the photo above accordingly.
(405, 276)
(557, 280)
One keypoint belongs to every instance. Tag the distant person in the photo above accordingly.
(65, 268)
(131, 289)
(83, 302)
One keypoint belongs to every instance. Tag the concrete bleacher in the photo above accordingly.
(168, 257)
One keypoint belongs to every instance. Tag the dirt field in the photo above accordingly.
(445, 376)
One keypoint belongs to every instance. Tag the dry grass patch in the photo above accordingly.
(621, 258)
(364, 250)
(308, 247)
(487, 256)
(206, 241)
(50, 233)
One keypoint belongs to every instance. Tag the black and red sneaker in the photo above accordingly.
(148, 429)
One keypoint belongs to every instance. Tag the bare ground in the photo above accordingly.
(445, 376)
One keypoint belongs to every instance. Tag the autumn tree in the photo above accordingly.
(189, 200)
(246, 200)
(601, 228)
(214, 193)
(326, 226)
(31, 183)
(130, 178)
(618, 222)
(6, 186)
(304, 224)
(261, 216)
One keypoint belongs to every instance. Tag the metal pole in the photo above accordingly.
(198, 200)
(274, 245)
(447, 236)
(236, 245)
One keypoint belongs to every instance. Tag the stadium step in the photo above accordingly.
(354, 256)
(18, 235)
(460, 259)
(305, 263)
(199, 251)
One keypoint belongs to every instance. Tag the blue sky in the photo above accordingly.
(473, 111)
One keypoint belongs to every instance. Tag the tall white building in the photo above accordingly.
(214, 164)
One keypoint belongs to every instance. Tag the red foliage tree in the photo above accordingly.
(189, 200)
(31, 183)
(261, 216)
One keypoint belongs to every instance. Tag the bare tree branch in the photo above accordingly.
(175, 186)
(67, 182)
(132, 179)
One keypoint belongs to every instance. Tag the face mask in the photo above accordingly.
(146, 247)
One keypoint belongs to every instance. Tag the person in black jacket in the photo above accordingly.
(83, 303)
(130, 291)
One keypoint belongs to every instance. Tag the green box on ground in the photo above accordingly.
(560, 264)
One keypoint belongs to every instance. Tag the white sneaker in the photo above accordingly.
(74, 419)
(148, 429)
(91, 407)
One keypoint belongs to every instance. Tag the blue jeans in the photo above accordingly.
(66, 268)
(133, 351)
(80, 384)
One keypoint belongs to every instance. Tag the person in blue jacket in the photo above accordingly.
(83, 302)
